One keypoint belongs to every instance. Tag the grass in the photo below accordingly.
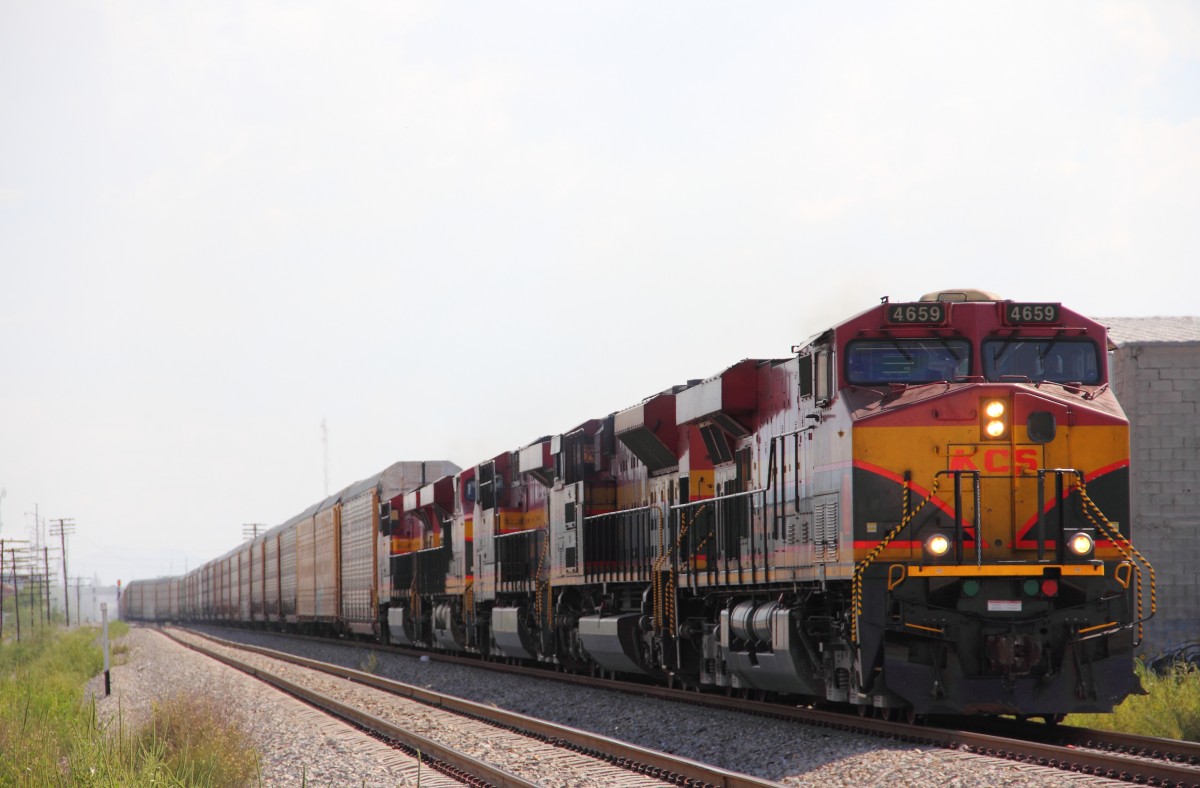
(50, 736)
(117, 650)
(1170, 710)
(30, 610)
(189, 739)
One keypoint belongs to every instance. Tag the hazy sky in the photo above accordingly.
(449, 229)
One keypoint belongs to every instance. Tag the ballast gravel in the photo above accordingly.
(298, 744)
(296, 749)
(528, 758)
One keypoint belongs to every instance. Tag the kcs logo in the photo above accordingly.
(993, 459)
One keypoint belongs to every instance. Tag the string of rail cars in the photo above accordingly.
(924, 508)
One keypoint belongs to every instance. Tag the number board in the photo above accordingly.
(1018, 314)
(925, 312)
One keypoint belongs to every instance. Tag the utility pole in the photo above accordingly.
(46, 564)
(79, 617)
(251, 531)
(39, 536)
(37, 525)
(66, 525)
(12, 552)
(9, 546)
(37, 540)
(30, 566)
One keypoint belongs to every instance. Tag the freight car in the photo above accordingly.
(923, 509)
(323, 571)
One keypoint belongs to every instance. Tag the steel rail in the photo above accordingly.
(1180, 751)
(1138, 759)
(670, 768)
(441, 757)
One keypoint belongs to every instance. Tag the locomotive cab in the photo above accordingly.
(993, 569)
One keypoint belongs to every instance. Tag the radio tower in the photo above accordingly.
(325, 449)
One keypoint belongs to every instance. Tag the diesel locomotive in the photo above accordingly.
(923, 509)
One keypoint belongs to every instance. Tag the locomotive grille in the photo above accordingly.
(826, 527)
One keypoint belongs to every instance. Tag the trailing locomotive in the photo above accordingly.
(924, 509)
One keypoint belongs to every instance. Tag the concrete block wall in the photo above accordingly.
(1158, 384)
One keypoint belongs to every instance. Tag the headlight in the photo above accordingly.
(937, 545)
(1080, 544)
(995, 418)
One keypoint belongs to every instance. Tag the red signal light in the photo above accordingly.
(1050, 587)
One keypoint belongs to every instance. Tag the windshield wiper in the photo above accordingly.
(896, 344)
(1042, 355)
(1004, 348)
(949, 349)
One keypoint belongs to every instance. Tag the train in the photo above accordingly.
(924, 509)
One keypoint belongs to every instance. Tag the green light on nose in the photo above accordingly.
(970, 587)
(1030, 587)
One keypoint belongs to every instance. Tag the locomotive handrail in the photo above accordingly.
(1127, 549)
(1041, 519)
(719, 498)
(958, 521)
(861, 567)
(1134, 560)
(1124, 581)
(619, 512)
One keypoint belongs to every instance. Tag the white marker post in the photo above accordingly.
(104, 641)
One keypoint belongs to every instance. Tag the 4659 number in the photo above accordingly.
(1031, 313)
(916, 313)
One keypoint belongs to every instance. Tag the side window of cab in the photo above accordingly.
(823, 377)
(816, 376)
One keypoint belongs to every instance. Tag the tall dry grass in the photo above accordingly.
(50, 736)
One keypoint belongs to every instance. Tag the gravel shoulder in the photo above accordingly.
(299, 745)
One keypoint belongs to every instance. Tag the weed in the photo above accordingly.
(196, 744)
(1170, 710)
(370, 664)
(50, 736)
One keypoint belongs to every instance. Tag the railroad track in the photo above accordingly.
(1135, 759)
(593, 758)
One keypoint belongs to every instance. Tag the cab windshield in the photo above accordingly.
(1056, 360)
(873, 362)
